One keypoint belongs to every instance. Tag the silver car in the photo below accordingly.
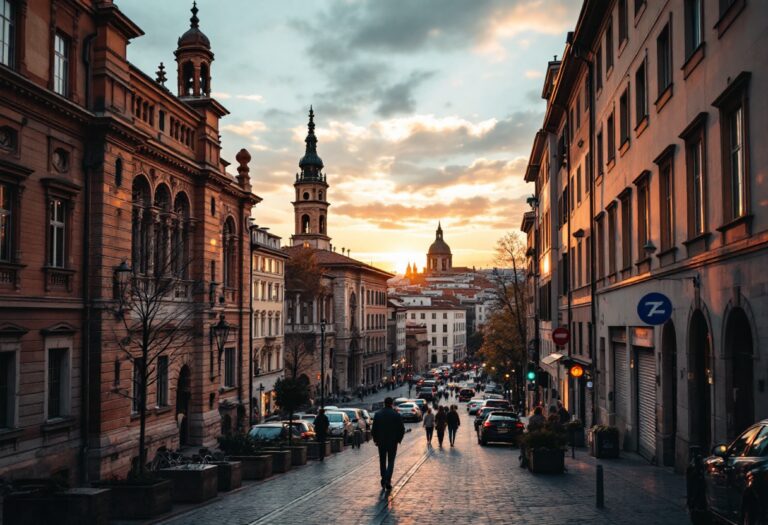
(339, 424)
(355, 417)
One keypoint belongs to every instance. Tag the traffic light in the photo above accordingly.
(573, 368)
(531, 375)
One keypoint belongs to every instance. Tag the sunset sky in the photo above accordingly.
(425, 109)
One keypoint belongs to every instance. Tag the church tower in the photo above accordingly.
(439, 257)
(194, 57)
(310, 207)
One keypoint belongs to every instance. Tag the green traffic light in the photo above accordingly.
(531, 375)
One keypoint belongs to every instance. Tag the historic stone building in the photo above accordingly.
(109, 184)
(357, 309)
(665, 98)
(439, 257)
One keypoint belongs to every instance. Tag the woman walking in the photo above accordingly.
(453, 421)
(429, 425)
(440, 422)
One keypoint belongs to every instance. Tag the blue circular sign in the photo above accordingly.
(654, 308)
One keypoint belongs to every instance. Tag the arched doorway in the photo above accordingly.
(669, 391)
(183, 395)
(739, 351)
(700, 381)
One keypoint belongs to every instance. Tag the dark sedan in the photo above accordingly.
(481, 414)
(500, 426)
(732, 483)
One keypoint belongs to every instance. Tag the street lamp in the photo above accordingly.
(220, 333)
(322, 363)
(122, 275)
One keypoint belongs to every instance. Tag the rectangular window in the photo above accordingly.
(612, 232)
(694, 26)
(611, 138)
(624, 120)
(445, 328)
(623, 21)
(609, 45)
(599, 68)
(578, 264)
(7, 389)
(57, 382)
(588, 261)
(7, 32)
(600, 163)
(578, 184)
(137, 382)
(434, 315)
(56, 233)
(161, 123)
(664, 59)
(572, 202)
(571, 127)
(641, 95)
(735, 155)
(6, 223)
(578, 112)
(230, 367)
(626, 232)
(445, 341)
(666, 195)
(586, 96)
(643, 215)
(61, 64)
(434, 328)
(162, 381)
(434, 341)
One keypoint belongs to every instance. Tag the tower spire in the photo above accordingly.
(194, 21)
(311, 164)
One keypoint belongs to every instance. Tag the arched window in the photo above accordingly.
(205, 89)
(141, 236)
(352, 311)
(119, 172)
(229, 241)
(322, 224)
(305, 224)
(180, 248)
(162, 242)
(319, 195)
(188, 79)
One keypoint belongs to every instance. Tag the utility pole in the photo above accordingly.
(322, 363)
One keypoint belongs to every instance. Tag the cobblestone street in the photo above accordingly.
(465, 484)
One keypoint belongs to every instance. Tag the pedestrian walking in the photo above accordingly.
(563, 413)
(429, 425)
(536, 422)
(387, 432)
(321, 424)
(440, 423)
(453, 421)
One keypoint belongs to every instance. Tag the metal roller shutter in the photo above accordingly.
(621, 380)
(646, 403)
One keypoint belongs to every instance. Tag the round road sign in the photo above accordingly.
(654, 308)
(561, 336)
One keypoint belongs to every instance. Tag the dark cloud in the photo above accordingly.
(398, 98)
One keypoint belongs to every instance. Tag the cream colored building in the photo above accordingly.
(679, 209)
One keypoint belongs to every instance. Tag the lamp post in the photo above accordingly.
(220, 333)
(122, 277)
(322, 363)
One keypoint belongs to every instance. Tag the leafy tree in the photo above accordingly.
(299, 353)
(290, 395)
(303, 275)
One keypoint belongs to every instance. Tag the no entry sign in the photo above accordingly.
(561, 336)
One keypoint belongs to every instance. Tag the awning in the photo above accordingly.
(551, 358)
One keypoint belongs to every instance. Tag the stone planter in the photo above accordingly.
(281, 459)
(604, 444)
(313, 449)
(546, 460)
(130, 500)
(576, 437)
(192, 483)
(70, 507)
(230, 475)
(254, 467)
(298, 455)
(337, 444)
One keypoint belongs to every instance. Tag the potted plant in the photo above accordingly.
(604, 441)
(314, 448)
(545, 451)
(47, 501)
(255, 464)
(575, 431)
(193, 482)
(139, 496)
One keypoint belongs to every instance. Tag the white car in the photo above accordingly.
(355, 417)
(339, 424)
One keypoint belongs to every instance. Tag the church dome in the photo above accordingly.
(193, 36)
(439, 247)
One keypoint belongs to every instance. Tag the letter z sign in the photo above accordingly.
(654, 308)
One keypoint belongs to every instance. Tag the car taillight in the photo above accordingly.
(304, 435)
(519, 425)
(487, 424)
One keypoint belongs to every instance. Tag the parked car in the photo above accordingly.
(409, 412)
(421, 403)
(431, 383)
(400, 400)
(500, 426)
(304, 427)
(339, 424)
(732, 484)
(368, 419)
(474, 405)
(426, 394)
(465, 394)
(497, 403)
(481, 415)
(492, 396)
(277, 431)
(355, 417)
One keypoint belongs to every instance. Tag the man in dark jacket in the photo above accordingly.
(387, 432)
(321, 424)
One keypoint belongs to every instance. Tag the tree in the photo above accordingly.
(156, 311)
(291, 394)
(299, 353)
(510, 253)
(303, 275)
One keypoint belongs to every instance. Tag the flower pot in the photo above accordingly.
(576, 437)
(230, 475)
(314, 448)
(192, 483)
(281, 459)
(254, 467)
(68, 507)
(546, 460)
(298, 455)
(337, 444)
(138, 500)
(604, 444)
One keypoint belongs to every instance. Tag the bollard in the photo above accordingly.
(599, 496)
